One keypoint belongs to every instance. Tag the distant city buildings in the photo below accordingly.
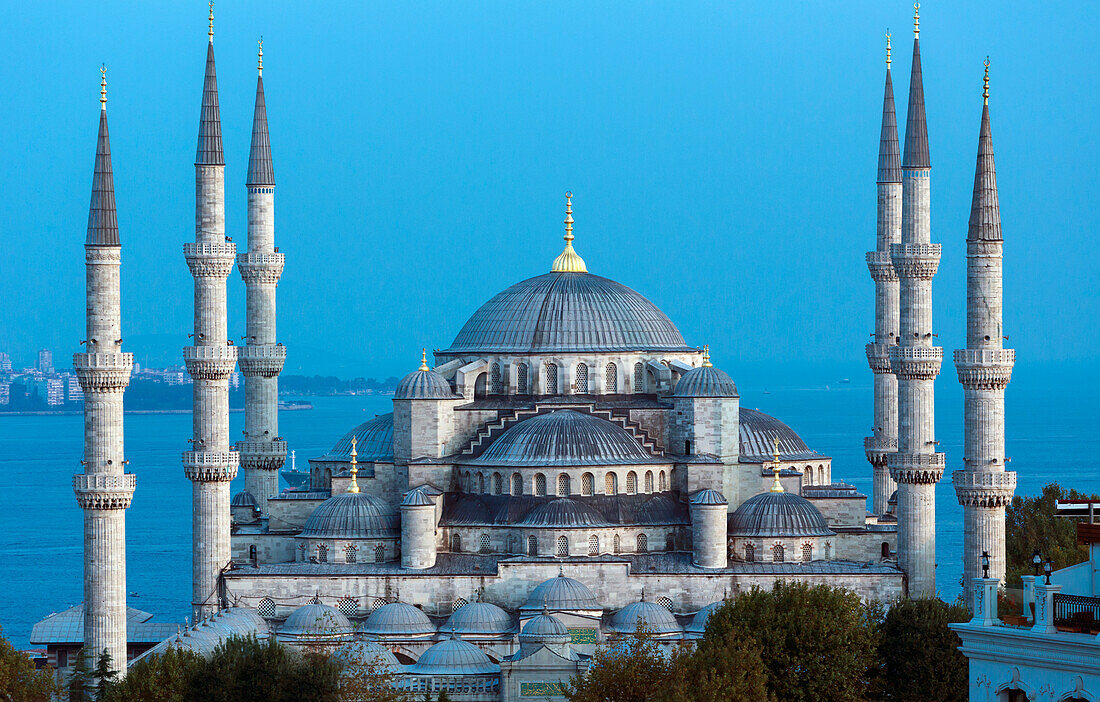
(5, 363)
(45, 361)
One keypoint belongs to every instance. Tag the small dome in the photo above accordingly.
(561, 594)
(316, 622)
(757, 435)
(564, 438)
(479, 619)
(397, 619)
(352, 515)
(699, 621)
(705, 381)
(778, 514)
(424, 384)
(657, 618)
(708, 497)
(544, 629)
(564, 512)
(359, 653)
(244, 498)
(374, 442)
(453, 657)
(416, 498)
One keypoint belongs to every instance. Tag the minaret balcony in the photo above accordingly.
(985, 369)
(260, 267)
(104, 490)
(210, 466)
(210, 260)
(878, 357)
(210, 362)
(262, 455)
(916, 468)
(103, 372)
(264, 361)
(920, 261)
(984, 489)
(878, 448)
(916, 362)
(881, 267)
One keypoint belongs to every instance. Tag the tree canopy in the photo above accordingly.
(1030, 525)
(919, 653)
(20, 681)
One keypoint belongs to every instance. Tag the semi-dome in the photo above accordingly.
(352, 515)
(564, 438)
(544, 629)
(479, 619)
(564, 512)
(706, 381)
(373, 442)
(561, 594)
(244, 498)
(698, 623)
(397, 619)
(777, 514)
(758, 432)
(563, 312)
(657, 619)
(453, 657)
(707, 496)
(316, 622)
(355, 654)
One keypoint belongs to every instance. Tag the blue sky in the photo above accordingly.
(722, 157)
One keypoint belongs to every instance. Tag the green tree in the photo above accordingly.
(80, 684)
(250, 669)
(816, 642)
(1030, 525)
(733, 670)
(164, 678)
(366, 677)
(919, 653)
(631, 670)
(20, 681)
(104, 673)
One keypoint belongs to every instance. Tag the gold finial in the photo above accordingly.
(985, 86)
(776, 485)
(568, 261)
(887, 48)
(354, 487)
(916, 20)
(423, 360)
(260, 57)
(103, 85)
(706, 356)
(211, 32)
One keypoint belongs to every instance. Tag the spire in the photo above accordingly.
(889, 155)
(102, 218)
(916, 127)
(568, 261)
(354, 487)
(985, 210)
(706, 356)
(423, 360)
(209, 150)
(260, 170)
(776, 485)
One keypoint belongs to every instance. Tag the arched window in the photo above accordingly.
(322, 553)
(665, 602)
(588, 485)
(750, 553)
(642, 543)
(807, 552)
(379, 554)
(631, 483)
(456, 543)
(517, 484)
(649, 481)
(808, 475)
(563, 485)
(348, 606)
(483, 543)
(593, 545)
(458, 604)
(468, 483)
(617, 544)
(540, 485)
(639, 377)
(351, 551)
(777, 553)
(663, 482)
(252, 553)
(582, 379)
(611, 378)
(302, 552)
(551, 384)
(670, 542)
(480, 386)
(521, 380)
(821, 475)
(498, 484)
(496, 382)
(481, 483)
(885, 549)
(513, 544)
(610, 484)
(828, 550)
(266, 607)
(532, 546)
(563, 547)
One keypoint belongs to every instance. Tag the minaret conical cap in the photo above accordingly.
(916, 126)
(260, 169)
(102, 217)
(209, 151)
(889, 152)
(985, 210)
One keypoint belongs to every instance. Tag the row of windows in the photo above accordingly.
(494, 483)
(550, 379)
(351, 553)
(561, 549)
(779, 552)
(808, 475)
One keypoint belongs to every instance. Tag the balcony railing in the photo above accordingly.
(1077, 613)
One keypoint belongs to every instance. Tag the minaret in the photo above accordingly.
(104, 489)
(916, 466)
(263, 453)
(983, 486)
(884, 436)
(210, 465)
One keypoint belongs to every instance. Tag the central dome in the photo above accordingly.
(564, 312)
(564, 438)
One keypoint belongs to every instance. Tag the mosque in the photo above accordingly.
(567, 467)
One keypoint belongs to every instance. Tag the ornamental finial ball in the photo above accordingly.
(211, 30)
(916, 20)
(887, 48)
(423, 359)
(985, 82)
(103, 86)
(260, 57)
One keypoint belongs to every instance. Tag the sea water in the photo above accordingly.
(1051, 435)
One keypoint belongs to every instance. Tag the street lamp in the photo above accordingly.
(1048, 568)
(985, 564)
(1036, 562)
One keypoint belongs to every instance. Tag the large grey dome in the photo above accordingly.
(565, 312)
(397, 619)
(778, 514)
(561, 594)
(374, 442)
(453, 657)
(564, 438)
(316, 622)
(657, 619)
(758, 432)
(479, 619)
(352, 515)
(706, 381)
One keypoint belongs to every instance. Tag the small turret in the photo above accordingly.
(708, 529)
(418, 544)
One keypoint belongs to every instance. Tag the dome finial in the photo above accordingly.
(354, 487)
(985, 82)
(776, 485)
(103, 85)
(561, 571)
(888, 48)
(706, 356)
(260, 56)
(568, 261)
(916, 20)
(423, 360)
(211, 31)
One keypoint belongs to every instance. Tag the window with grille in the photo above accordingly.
(521, 379)
(639, 377)
(582, 379)
(643, 543)
(593, 545)
(375, 604)
(828, 550)
(610, 484)
(517, 484)
(551, 385)
(540, 484)
(532, 546)
(266, 608)
(663, 482)
(350, 552)
(649, 481)
(588, 487)
(670, 542)
(322, 553)
(750, 553)
(563, 485)
(496, 382)
(379, 554)
(631, 483)
(498, 484)
(458, 604)
(611, 378)
(348, 606)
(563, 547)
(617, 544)
(483, 543)
(807, 552)
(777, 553)
(481, 482)
(456, 543)
(665, 602)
